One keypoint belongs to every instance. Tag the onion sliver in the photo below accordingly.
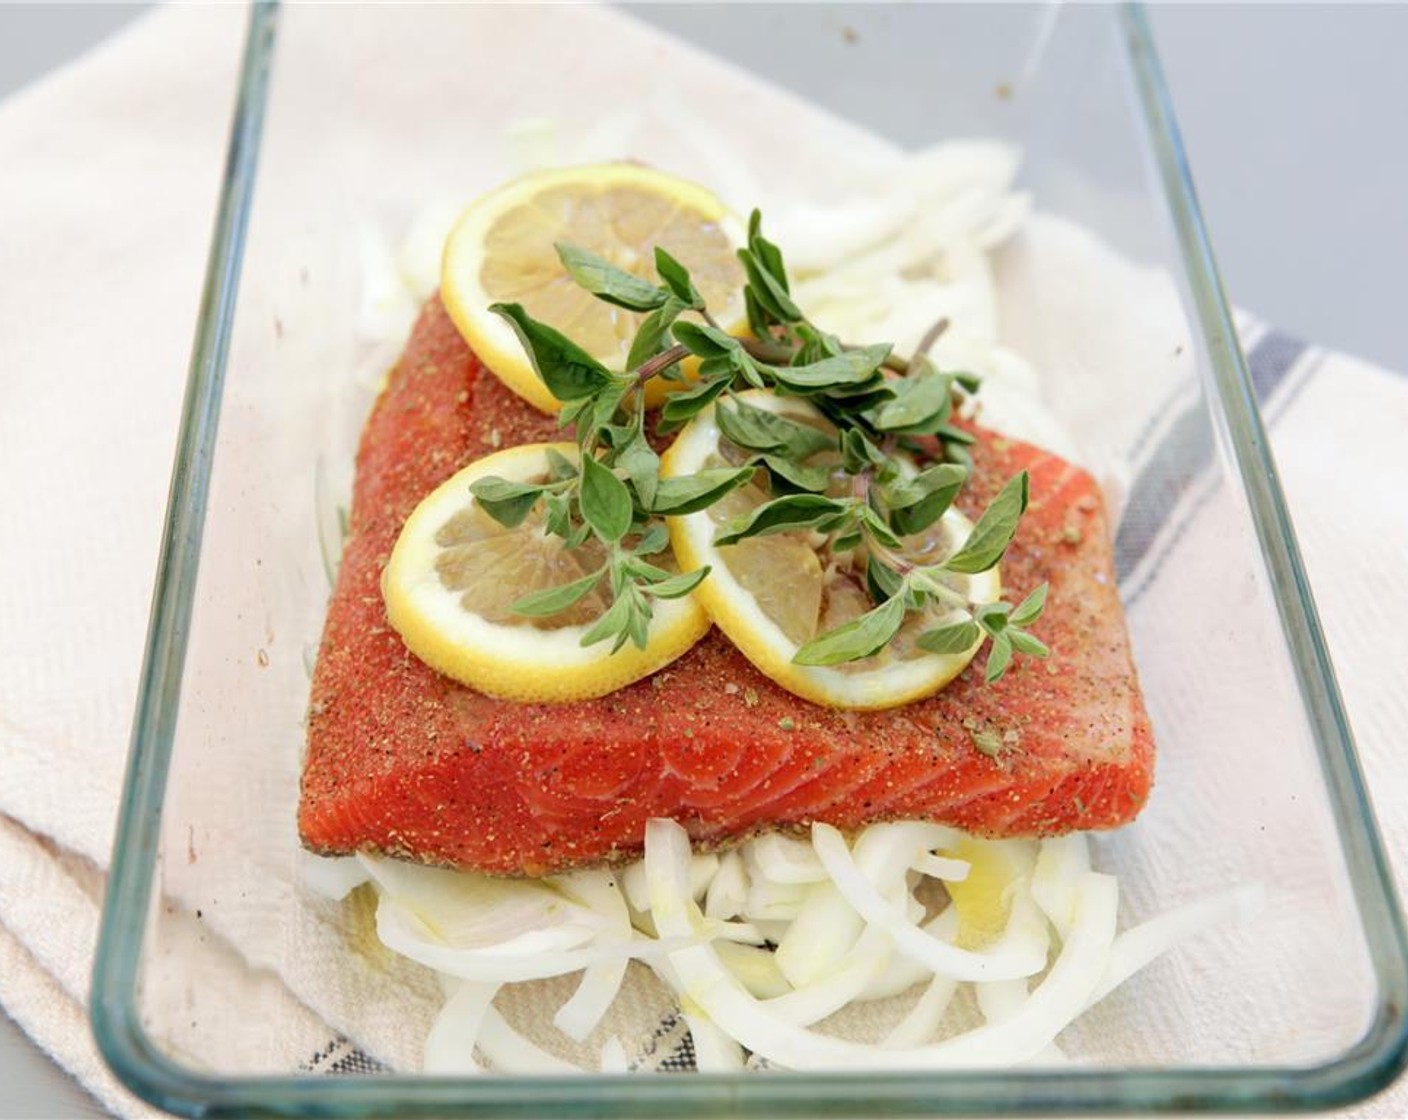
(922, 1021)
(1061, 862)
(579, 1016)
(1059, 998)
(714, 1050)
(510, 1052)
(784, 859)
(1024, 958)
(449, 1047)
(825, 928)
(400, 933)
(1136, 947)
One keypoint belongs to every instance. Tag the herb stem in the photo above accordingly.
(931, 336)
(661, 362)
(940, 591)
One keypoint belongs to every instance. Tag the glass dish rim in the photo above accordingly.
(1361, 1070)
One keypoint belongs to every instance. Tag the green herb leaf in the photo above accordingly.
(757, 429)
(857, 452)
(920, 405)
(606, 503)
(704, 340)
(607, 282)
(853, 367)
(768, 290)
(992, 617)
(687, 403)
(857, 639)
(690, 494)
(642, 467)
(655, 539)
(999, 657)
(1030, 608)
(554, 600)
(782, 515)
(767, 253)
(797, 476)
(615, 623)
(875, 525)
(918, 502)
(882, 582)
(569, 372)
(677, 587)
(653, 335)
(994, 530)
(676, 277)
(759, 321)
(506, 502)
(560, 467)
(1023, 642)
(956, 637)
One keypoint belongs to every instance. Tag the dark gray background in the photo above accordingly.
(1293, 118)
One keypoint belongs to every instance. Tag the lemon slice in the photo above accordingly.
(455, 571)
(773, 594)
(502, 250)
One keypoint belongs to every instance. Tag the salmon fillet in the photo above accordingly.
(404, 761)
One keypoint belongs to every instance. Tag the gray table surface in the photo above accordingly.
(1292, 115)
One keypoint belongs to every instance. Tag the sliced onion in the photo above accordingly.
(579, 1016)
(941, 867)
(613, 1056)
(470, 911)
(705, 981)
(784, 859)
(714, 1050)
(824, 930)
(511, 1052)
(753, 967)
(1136, 947)
(728, 893)
(1059, 866)
(1022, 958)
(449, 1047)
(333, 878)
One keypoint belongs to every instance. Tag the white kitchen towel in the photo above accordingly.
(110, 174)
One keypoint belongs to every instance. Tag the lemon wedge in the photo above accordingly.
(502, 249)
(773, 594)
(455, 572)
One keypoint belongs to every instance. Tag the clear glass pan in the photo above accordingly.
(356, 118)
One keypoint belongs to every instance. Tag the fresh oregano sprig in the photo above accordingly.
(614, 494)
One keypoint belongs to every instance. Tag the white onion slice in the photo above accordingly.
(1137, 947)
(753, 967)
(1059, 866)
(714, 1050)
(579, 1016)
(333, 878)
(824, 930)
(784, 859)
(845, 982)
(449, 1047)
(942, 867)
(728, 893)
(1022, 957)
(511, 1052)
(613, 1056)
(1060, 997)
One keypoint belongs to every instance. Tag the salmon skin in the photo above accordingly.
(404, 761)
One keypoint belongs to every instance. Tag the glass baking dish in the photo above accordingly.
(356, 118)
